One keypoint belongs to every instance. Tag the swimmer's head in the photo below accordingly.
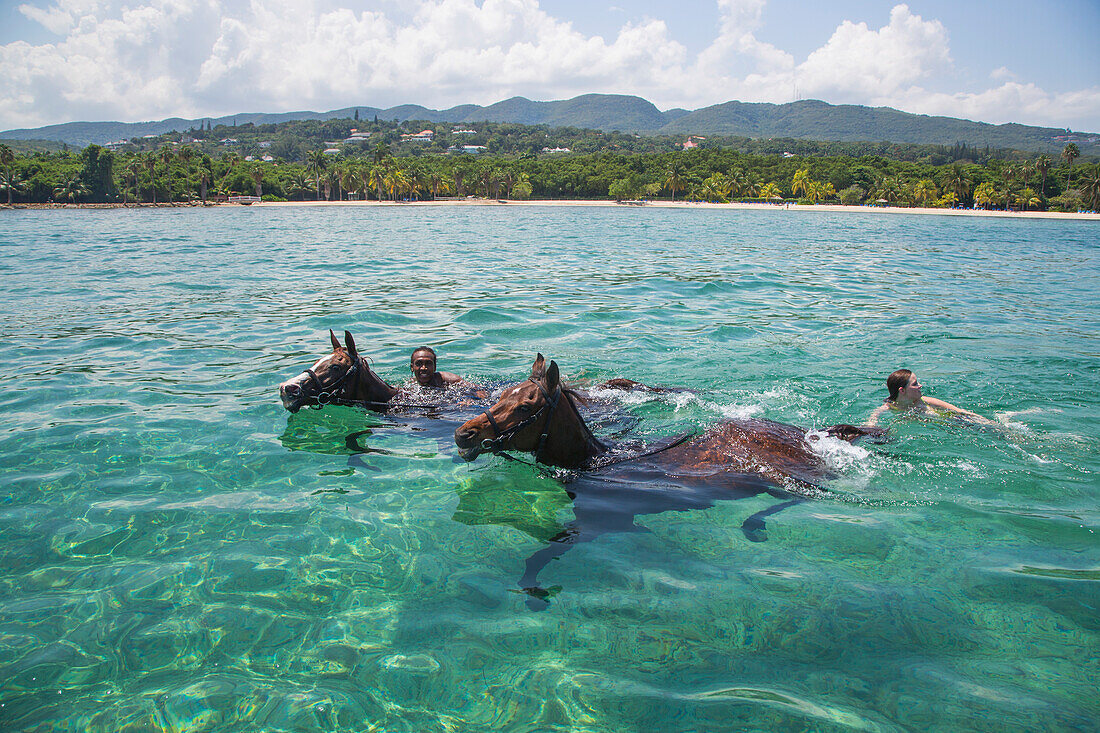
(423, 362)
(896, 382)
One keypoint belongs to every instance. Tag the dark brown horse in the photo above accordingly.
(731, 460)
(342, 377)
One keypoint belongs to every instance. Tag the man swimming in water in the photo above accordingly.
(423, 363)
(905, 394)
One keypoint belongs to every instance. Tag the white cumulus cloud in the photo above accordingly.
(149, 59)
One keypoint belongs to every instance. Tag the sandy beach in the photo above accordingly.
(779, 208)
(818, 208)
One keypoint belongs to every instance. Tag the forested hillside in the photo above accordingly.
(808, 119)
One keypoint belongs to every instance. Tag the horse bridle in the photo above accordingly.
(499, 441)
(338, 388)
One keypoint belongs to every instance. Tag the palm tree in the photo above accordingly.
(1028, 198)
(924, 191)
(417, 182)
(800, 181)
(522, 188)
(438, 184)
(206, 175)
(257, 175)
(10, 181)
(956, 180)
(1090, 188)
(1042, 164)
(717, 187)
(186, 154)
(7, 158)
(381, 152)
(984, 195)
(299, 184)
(316, 163)
(770, 191)
(165, 157)
(349, 177)
(72, 189)
(1070, 153)
(1025, 169)
(130, 173)
(397, 182)
(1009, 173)
(378, 178)
(150, 163)
(457, 175)
(674, 177)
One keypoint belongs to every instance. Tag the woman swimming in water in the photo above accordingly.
(905, 395)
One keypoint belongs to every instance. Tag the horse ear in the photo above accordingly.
(350, 343)
(539, 367)
(552, 376)
(335, 342)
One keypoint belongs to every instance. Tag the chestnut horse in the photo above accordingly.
(731, 460)
(342, 377)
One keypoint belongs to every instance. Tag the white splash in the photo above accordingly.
(839, 455)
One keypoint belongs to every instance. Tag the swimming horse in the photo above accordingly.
(342, 377)
(734, 459)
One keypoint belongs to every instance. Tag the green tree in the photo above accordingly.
(11, 182)
(984, 195)
(1090, 188)
(1029, 199)
(166, 157)
(186, 154)
(71, 189)
(924, 191)
(149, 160)
(800, 182)
(97, 172)
(771, 191)
(522, 188)
(1070, 153)
(206, 176)
(674, 177)
(1042, 165)
(852, 195)
(256, 172)
(317, 164)
(957, 181)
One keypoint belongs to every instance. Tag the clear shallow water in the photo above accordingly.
(177, 552)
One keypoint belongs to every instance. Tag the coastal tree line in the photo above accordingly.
(184, 173)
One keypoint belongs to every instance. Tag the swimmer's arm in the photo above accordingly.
(455, 380)
(941, 405)
(873, 420)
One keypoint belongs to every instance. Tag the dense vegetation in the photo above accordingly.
(288, 161)
(803, 120)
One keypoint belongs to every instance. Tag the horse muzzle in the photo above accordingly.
(469, 444)
(292, 395)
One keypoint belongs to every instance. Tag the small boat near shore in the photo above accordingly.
(244, 200)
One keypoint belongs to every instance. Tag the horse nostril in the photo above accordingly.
(291, 390)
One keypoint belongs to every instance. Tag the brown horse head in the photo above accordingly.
(536, 416)
(342, 376)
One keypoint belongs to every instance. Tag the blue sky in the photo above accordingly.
(130, 60)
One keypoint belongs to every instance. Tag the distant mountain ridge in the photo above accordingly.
(807, 119)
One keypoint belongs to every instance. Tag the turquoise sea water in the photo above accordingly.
(179, 553)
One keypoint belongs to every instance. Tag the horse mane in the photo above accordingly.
(572, 396)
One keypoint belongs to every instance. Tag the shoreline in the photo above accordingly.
(820, 208)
